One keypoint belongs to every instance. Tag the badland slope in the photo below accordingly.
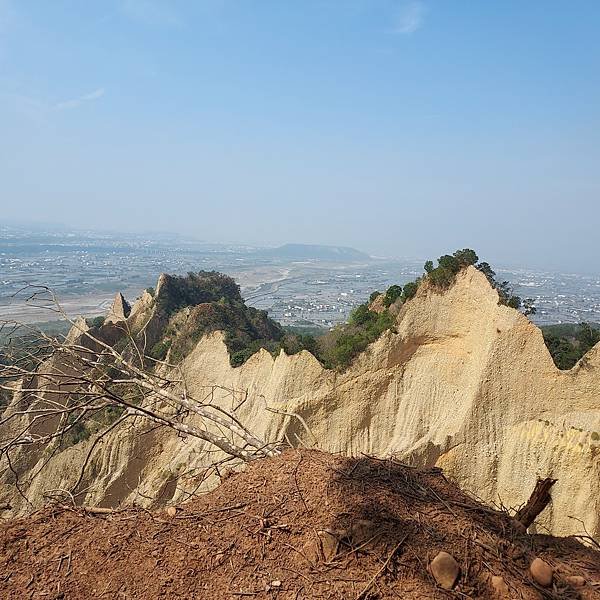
(461, 382)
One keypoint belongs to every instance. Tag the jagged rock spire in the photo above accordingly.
(119, 311)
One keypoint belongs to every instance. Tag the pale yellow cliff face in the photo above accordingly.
(119, 310)
(464, 383)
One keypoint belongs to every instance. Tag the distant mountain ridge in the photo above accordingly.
(315, 252)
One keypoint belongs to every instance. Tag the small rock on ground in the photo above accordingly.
(576, 581)
(541, 572)
(445, 570)
(499, 586)
(329, 544)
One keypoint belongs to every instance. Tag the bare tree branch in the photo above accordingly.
(61, 388)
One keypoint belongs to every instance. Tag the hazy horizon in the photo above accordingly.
(397, 127)
(161, 235)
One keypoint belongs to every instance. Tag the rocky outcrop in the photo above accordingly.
(463, 383)
(377, 304)
(119, 311)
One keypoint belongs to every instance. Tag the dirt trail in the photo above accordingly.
(303, 525)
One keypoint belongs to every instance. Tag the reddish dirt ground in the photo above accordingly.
(302, 525)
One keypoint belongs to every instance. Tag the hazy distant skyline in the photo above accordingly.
(401, 128)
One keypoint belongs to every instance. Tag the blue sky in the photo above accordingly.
(404, 128)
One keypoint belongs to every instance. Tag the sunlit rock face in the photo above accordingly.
(119, 311)
(463, 383)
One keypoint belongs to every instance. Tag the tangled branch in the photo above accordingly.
(56, 387)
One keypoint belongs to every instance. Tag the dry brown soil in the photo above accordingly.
(303, 525)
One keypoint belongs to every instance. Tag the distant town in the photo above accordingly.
(298, 285)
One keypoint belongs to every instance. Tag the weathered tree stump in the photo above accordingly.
(539, 499)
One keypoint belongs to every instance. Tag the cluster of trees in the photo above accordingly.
(448, 267)
(214, 303)
(441, 276)
(289, 342)
(178, 292)
(338, 347)
(396, 292)
(568, 343)
(96, 321)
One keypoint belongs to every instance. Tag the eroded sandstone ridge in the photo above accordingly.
(463, 383)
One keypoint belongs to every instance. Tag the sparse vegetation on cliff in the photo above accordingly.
(341, 345)
(506, 292)
(204, 302)
(568, 343)
(189, 307)
(80, 426)
(207, 301)
(96, 321)
(450, 265)
(338, 347)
